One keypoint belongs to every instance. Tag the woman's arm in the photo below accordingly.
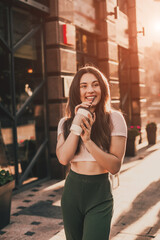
(66, 149)
(110, 161)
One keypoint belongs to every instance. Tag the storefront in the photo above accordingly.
(23, 131)
(42, 44)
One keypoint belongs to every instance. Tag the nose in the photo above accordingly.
(90, 89)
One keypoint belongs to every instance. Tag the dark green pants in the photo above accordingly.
(87, 206)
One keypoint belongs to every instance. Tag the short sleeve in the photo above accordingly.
(119, 124)
(60, 126)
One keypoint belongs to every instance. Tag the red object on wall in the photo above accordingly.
(68, 34)
(64, 34)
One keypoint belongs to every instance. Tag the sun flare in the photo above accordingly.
(156, 27)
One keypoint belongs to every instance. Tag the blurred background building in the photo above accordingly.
(42, 44)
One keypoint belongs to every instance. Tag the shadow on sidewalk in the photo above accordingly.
(42, 209)
(142, 203)
(141, 154)
(153, 230)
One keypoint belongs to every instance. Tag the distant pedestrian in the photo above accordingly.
(87, 201)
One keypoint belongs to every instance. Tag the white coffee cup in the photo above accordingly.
(76, 124)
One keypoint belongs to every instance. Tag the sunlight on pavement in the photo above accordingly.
(55, 186)
(59, 236)
(144, 224)
(137, 211)
(57, 203)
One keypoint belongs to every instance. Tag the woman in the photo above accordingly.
(87, 201)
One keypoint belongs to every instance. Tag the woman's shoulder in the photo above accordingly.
(60, 125)
(62, 120)
(119, 123)
(115, 114)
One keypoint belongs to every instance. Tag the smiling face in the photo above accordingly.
(90, 89)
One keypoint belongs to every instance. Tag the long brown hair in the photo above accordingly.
(101, 129)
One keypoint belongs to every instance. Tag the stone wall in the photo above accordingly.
(61, 66)
(137, 76)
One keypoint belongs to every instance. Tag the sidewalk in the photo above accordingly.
(137, 200)
(36, 212)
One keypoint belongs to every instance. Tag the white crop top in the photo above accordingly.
(119, 129)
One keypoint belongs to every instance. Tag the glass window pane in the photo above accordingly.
(91, 46)
(5, 92)
(31, 134)
(23, 22)
(6, 145)
(3, 22)
(122, 6)
(86, 46)
(28, 69)
(84, 43)
(38, 171)
(78, 41)
(80, 61)
(44, 2)
(90, 60)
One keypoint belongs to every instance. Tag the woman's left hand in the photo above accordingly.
(86, 126)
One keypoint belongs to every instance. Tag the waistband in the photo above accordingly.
(88, 178)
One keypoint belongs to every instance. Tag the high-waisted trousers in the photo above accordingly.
(87, 206)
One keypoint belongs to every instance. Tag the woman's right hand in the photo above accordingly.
(83, 104)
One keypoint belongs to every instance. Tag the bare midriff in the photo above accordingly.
(87, 168)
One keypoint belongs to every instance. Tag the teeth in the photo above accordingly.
(90, 97)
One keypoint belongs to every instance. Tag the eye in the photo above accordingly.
(96, 84)
(83, 86)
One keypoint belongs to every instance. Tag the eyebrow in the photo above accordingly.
(92, 82)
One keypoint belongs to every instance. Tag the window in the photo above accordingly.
(86, 46)
(123, 6)
(3, 22)
(44, 2)
(23, 136)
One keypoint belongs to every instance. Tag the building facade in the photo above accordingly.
(42, 45)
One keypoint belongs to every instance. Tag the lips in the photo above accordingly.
(90, 98)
